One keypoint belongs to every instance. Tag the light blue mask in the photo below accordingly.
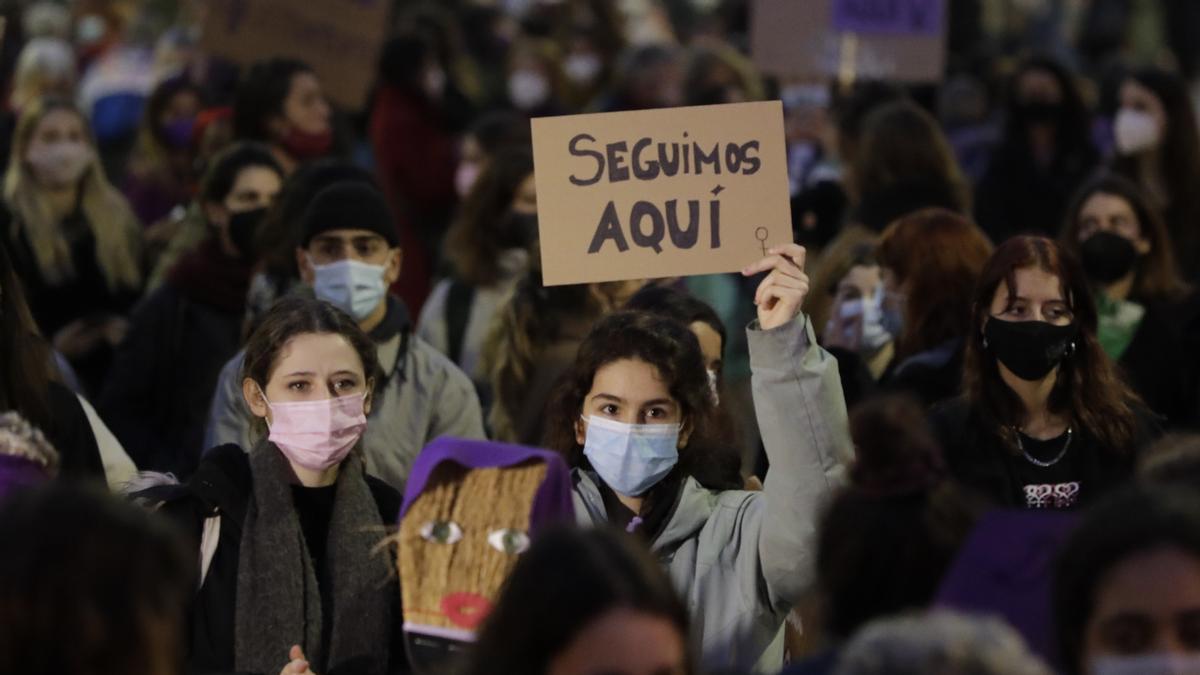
(631, 458)
(354, 287)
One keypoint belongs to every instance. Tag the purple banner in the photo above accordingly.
(893, 17)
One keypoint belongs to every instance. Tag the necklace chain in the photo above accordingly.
(1037, 462)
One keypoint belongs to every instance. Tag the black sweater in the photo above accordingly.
(978, 458)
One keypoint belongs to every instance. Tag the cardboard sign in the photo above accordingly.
(900, 40)
(900, 17)
(340, 39)
(660, 193)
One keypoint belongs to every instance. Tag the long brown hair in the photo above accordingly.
(1088, 389)
(474, 241)
(1156, 273)
(937, 255)
(109, 216)
(24, 356)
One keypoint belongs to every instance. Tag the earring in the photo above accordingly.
(1071, 349)
(985, 344)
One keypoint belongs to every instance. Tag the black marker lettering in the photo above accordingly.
(617, 171)
(642, 210)
(753, 163)
(713, 158)
(573, 148)
(650, 170)
(609, 228)
(714, 219)
(683, 239)
(733, 157)
(670, 167)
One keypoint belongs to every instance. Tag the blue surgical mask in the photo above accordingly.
(1147, 664)
(631, 458)
(354, 287)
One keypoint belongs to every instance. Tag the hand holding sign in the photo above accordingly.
(782, 292)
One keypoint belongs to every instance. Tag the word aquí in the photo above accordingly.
(647, 161)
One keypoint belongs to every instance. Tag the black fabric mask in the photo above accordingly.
(518, 230)
(1030, 349)
(243, 226)
(1107, 257)
(1041, 112)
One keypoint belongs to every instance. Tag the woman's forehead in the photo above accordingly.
(1033, 284)
(317, 353)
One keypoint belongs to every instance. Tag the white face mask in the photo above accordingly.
(59, 164)
(527, 89)
(1135, 131)
(354, 287)
(583, 68)
(1147, 664)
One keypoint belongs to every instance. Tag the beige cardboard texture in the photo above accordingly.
(660, 193)
(795, 39)
(340, 39)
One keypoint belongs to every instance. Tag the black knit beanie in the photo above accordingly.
(349, 205)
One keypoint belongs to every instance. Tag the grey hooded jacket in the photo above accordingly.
(424, 396)
(742, 559)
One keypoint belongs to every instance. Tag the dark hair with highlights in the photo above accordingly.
(1089, 389)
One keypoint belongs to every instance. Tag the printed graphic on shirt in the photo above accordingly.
(1052, 495)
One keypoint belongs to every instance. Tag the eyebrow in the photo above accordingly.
(301, 373)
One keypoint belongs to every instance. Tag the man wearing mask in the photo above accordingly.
(161, 381)
(349, 254)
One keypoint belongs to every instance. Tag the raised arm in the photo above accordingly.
(802, 416)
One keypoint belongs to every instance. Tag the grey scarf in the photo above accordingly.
(278, 602)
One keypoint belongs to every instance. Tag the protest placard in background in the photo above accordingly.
(902, 40)
(340, 39)
(660, 193)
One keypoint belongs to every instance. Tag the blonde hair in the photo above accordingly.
(43, 63)
(108, 215)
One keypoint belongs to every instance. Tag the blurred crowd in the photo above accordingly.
(953, 428)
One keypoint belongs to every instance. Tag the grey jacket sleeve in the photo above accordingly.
(455, 407)
(801, 411)
(228, 417)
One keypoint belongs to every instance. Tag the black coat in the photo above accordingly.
(1161, 364)
(163, 377)
(71, 434)
(223, 484)
(978, 458)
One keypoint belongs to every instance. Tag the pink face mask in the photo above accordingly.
(317, 434)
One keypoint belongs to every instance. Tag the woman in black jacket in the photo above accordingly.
(287, 533)
(1147, 312)
(26, 385)
(1045, 421)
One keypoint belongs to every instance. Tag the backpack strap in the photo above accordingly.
(458, 311)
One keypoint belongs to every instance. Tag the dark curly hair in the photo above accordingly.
(661, 342)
